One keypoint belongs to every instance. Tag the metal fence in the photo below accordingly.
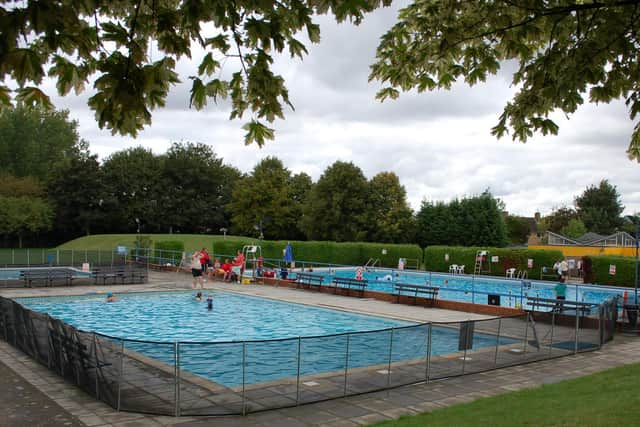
(202, 378)
(61, 257)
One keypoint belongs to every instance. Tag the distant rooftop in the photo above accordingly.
(618, 239)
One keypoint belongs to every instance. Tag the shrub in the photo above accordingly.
(169, 251)
(625, 270)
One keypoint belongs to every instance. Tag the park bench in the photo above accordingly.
(309, 280)
(347, 283)
(429, 292)
(119, 274)
(558, 306)
(47, 277)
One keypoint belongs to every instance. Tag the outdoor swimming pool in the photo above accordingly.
(248, 339)
(476, 289)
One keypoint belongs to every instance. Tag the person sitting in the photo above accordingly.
(111, 297)
(226, 270)
(284, 273)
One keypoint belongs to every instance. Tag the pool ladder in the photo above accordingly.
(372, 262)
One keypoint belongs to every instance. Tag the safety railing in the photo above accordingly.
(222, 378)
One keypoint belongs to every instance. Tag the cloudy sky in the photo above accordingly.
(438, 143)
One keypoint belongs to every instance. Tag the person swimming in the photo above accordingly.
(199, 296)
(111, 297)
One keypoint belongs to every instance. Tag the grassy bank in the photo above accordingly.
(110, 241)
(607, 398)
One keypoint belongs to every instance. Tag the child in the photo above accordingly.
(199, 296)
(111, 297)
(209, 302)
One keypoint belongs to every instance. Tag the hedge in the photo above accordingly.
(174, 248)
(347, 253)
(434, 259)
(625, 270)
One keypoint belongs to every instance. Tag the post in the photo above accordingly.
(526, 333)
(390, 356)
(635, 283)
(120, 374)
(95, 361)
(244, 360)
(495, 357)
(298, 375)
(176, 377)
(28, 257)
(346, 366)
(72, 253)
(575, 350)
(473, 290)
(553, 326)
(428, 368)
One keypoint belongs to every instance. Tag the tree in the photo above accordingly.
(12, 186)
(559, 218)
(77, 41)
(574, 229)
(263, 202)
(518, 229)
(433, 224)
(565, 50)
(133, 178)
(78, 191)
(336, 206)
(391, 219)
(22, 215)
(33, 141)
(195, 188)
(600, 208)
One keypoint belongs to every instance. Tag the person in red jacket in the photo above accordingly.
(205, 260)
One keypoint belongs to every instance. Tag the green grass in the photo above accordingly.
(110, 241)
(608, 398)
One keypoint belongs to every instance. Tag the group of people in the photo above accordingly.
(201, 264)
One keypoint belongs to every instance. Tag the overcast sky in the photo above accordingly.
(438, 143)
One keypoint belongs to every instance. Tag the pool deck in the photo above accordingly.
(28, 384)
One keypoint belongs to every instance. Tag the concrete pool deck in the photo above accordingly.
(66, 402)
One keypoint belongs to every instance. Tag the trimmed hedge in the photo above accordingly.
(348, 253)
(175, 246)
(625, 270)
(507, 258)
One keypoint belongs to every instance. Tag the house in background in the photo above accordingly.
(619, 243)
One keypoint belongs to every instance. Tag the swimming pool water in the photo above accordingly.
(213, 344)
(476, 289)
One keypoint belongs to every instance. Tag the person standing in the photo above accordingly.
(564, 270)
(196, 269)
(561, 295)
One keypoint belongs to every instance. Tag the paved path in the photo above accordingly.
(27, 385)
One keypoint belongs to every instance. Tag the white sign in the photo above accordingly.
(572, 264)
(384, 252)
(121, 250)
(85, 267)
(612, 269)
(446, 257)
(401, 262)
(495, 258)
(530, 263)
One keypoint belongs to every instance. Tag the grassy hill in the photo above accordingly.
(110, 241)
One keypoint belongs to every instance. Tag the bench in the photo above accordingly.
(429, 292)
(121, 274)
(558, 306)
(309, 279)
(48, 277)
(347, 283)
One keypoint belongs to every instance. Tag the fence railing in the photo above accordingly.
(223, 378)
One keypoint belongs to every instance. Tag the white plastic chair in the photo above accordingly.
(453, 268)
(460, 269)
(510, 272)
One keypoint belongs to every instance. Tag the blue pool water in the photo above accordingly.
(476, 289)
(213, 344)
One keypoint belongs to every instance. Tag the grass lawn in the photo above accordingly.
(110, 241)
(608, 398)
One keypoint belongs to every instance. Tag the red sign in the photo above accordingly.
(612, 270)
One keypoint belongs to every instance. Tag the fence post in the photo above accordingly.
(176, 376)
(390, 357)
(428, 368)
(575, 350)
(13, 256)
(495, 357)
(57, 256)
(72, 255)
(244, 360)
(86, 255)
(120, 373)
(473, 290)
(298, 374)
(526, 333)
(553, 327)
(346, 365)
(43, 261)
(95, 354)
(28, 257)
